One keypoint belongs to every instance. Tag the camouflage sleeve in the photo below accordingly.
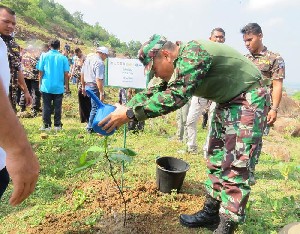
(192, 64)
(278, 69)
(142, 96)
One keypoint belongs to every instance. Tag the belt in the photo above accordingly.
(90, 84)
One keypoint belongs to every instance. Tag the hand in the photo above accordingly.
(23, 168)
(101, 97)
(115, 119)
(68, 93)
(83, 92)
(28, 99)
(271, 117)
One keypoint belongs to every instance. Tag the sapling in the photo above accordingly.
(112, 155)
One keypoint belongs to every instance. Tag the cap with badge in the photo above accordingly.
(149, 50)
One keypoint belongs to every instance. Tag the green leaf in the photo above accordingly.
(87, 165)
(82, 158)
(120, 157)
(95, 149)
(126, 151)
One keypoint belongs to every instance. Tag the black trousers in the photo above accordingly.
(33, 88)
(48, 98)
(84, 107)
(4, 180)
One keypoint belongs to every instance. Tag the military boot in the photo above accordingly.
(207, 217)
(226, 225)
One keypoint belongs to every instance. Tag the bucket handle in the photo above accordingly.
(95, 98)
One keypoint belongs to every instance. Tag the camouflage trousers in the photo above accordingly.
(13, 95)
(236, 130)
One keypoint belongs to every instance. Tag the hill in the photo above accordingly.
(39, 21)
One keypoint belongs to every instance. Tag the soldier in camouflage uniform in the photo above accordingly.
(272, 68)
(29, 62)
(7, 27)
(204, 68)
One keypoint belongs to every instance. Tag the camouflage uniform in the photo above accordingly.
(203, 69)
(14, 59)
(270, 64)
(29, 62)
(272, 67)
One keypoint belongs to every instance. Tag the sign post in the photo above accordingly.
(125, 73)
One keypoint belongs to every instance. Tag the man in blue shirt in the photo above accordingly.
(53, 77)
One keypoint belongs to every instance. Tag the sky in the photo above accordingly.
(186, 20)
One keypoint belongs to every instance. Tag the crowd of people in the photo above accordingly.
(192, 77)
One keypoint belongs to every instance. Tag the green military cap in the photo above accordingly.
(149, 50)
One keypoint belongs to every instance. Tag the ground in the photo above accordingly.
(148, 211)
(66, 201)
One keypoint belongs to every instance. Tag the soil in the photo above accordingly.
(148, 210)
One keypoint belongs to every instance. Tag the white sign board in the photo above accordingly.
(126, 73)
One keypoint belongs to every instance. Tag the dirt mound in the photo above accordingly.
(148, 210)
(289, 126)
(288, 108)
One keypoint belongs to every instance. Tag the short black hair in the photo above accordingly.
(55, 44)
(77, 50)
(10, 11)
(218, 30)
(253, 28)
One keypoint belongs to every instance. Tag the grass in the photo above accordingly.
(274, 200)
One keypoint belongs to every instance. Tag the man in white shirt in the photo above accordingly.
(16, 152)
(92, 77)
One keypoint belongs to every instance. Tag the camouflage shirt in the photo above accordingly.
(29, 62)
(202, 69)
(14, 59)
(76, 69)
(270, 64)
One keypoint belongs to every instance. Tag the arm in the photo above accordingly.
(100, 70)
(276, 98)
(21, 162)
(83, 84)
(278, 74)
(101, 89)
(23, 86)
(40, 78)
(66, 74)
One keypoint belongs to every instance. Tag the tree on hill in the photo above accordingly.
(53, 17)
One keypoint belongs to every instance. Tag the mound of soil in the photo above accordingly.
(288, 108)
(148, 211)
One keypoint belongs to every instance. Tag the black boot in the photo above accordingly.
(207, 217)
(226, 226)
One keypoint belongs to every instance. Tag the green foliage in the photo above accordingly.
(296, 96)
(72, 24)
(79, 197)
(104, 152)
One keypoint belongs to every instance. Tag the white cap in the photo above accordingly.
(103, 50)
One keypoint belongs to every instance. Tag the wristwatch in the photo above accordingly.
(276, 109)
(130, 114)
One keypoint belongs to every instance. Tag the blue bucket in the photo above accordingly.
(103, 111)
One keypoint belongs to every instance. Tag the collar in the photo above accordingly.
(261, 53)
(181, 46)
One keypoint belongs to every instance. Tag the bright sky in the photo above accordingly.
(194, 19)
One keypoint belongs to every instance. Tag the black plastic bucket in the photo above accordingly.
(170, 173)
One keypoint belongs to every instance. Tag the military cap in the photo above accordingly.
(149, 50)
